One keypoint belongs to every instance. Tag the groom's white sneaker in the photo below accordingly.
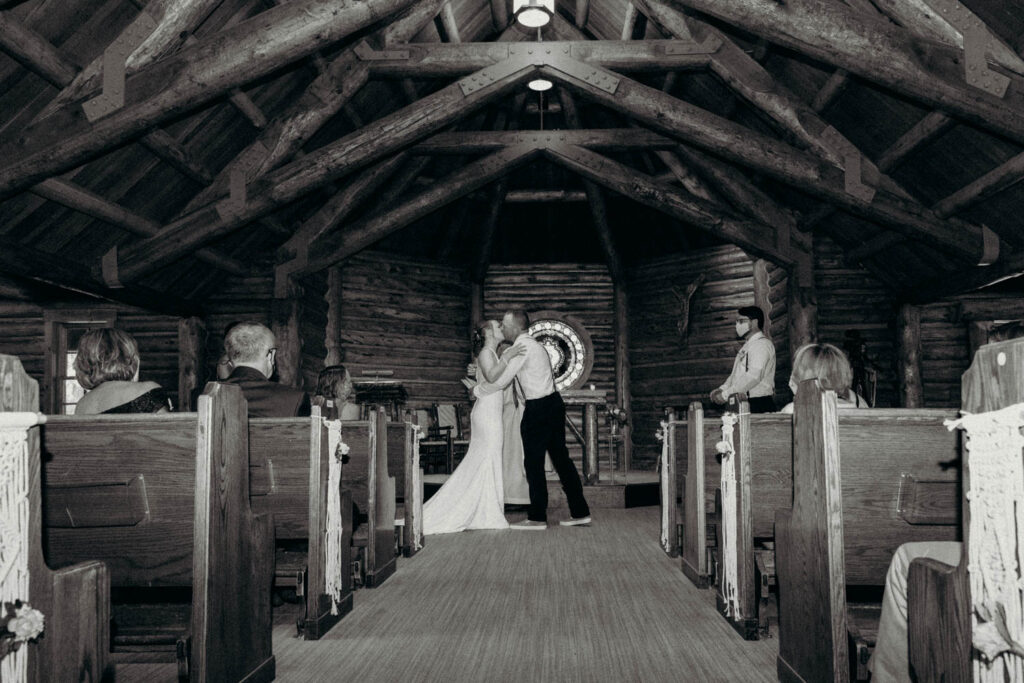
(576, 521)
(529, 525)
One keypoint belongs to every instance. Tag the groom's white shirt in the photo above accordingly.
(533, 369)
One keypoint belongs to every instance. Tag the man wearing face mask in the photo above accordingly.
(753, 372)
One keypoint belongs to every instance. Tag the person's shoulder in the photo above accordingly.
(787, 409)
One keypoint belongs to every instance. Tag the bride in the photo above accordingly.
(473, 497)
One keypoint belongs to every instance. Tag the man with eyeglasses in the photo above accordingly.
(252, 350)
(753, 371)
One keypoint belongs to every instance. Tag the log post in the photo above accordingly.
(762, 294)
(332, 331)
(591, 473)
(908, 356)
(476, 306)
(623, 394)
(191, 360)
(285, 325)
(802, 308)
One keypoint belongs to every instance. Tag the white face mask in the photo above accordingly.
(742, 327)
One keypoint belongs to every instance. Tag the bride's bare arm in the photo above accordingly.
(492, 368)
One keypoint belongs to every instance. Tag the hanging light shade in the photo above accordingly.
(533, 13)
(539, 85)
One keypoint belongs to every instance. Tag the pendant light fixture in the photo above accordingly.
(533, 13)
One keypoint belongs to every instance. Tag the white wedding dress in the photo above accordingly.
(473, 497)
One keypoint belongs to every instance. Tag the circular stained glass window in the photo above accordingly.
(568, 345)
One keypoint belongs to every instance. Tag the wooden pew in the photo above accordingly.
(939, 598)
(404, 465)
(373, 491)
(694, 472)
(75, 600)
(290, 462)
(846, 518)
(164, 501)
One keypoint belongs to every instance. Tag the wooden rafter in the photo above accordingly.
(439, 60)
(277, 188)
(746, 147)
(876, 50)
(604, 139)
(339, 80)
(595, 197)
(184, 82)
(750, 235)
(466, 179)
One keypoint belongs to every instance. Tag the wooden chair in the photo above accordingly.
(451, 418)
(940, 603)
(436, 448)
(164, 501)
(75, 600)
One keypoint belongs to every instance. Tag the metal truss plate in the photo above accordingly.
(595, 76)
(489, 75)
(977, 42)
(852, 165)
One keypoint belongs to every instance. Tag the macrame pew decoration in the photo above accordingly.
(335, 567)
(667, 490)
(727, 562)
(68, 607)
(14, 534)
(403, 462)
(995, 449)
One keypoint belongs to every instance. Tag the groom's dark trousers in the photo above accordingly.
(543, 429)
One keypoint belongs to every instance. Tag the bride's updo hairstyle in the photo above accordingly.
(479, 337)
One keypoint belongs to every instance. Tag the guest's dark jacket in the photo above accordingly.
(266, 398)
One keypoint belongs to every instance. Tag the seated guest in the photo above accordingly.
(107, 366)
(224, 366)
(252, 350)
(890, 662)
(335, 385)
(827, 364)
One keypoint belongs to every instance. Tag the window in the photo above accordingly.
(64, 329)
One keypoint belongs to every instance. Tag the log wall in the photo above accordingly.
(251, 299)
(410, 317)
(670, 371)
(584, 291)
(850, 298)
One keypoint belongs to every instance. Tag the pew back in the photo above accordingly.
(403, 464)
(165, 501)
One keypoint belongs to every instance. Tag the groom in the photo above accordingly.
(543, 426)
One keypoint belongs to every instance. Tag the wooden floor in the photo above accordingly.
(602, 603)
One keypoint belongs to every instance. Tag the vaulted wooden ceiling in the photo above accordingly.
(259, 136)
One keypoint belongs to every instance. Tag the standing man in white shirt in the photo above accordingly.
(753, 372)
(542, 428)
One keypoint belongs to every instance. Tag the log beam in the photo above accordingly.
(332, 330)
(544, 196)
(924, 131)
(595, 197)
(379, 139)
(178, 84)
(496, 197)
(175, 21)
(486, 142)
(191, 360)
(877, 51)
(582, 13)
(879, 242)
(623, 393)
(284, 321)
(801, 308)
(444, 60)
(460, 183)
(1003, 177)
(335, 85)
(66, 275)
(752, 236)
(967, 280)
(732, 141)
(499, 15)
(82, 200)
(448, 23)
